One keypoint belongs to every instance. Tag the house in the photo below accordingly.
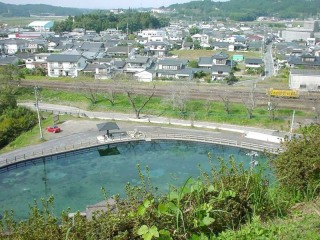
(91, 46)
(99, 71)
(220, 58)
(255, 45)
(183, 74)
(173, 69)
(253, 62)
(39, 61)
(171, 64)
(9, 60)
(304, 79)
(220, 45)
(120, 51)
(36, 45)
(217, 59)
(158, 49)
(65, 65)
(151, 33)
(203, 39)
(137, 64)
(220, 71)
(12, 46)
(305, 60)
(187, 45)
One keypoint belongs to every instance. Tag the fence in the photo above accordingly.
(139, 137)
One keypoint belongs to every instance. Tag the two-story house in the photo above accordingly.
(218, 63)
(65, 65)
(173, 69)
(39, 61)
(36, 45)
(12, 46)
(158, 49)
(305, 60)
(137, 64)
(203, 39)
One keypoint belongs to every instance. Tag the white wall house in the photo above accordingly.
(152, 33)
(39, 61)
(137, 64)
(65, 65)
(12, 46)
(304, 80)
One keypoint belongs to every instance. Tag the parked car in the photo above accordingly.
(53, 129)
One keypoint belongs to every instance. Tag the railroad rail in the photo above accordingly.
(306, 101)
(21, 160)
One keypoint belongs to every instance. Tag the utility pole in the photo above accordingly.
(36, 95)
(128, 39)
(291, 125)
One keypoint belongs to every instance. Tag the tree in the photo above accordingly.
(90, 91)
(179, 95)
(250, 103)
(226, 102)
(272, 108)
(208, 105)
(137, 102)
(7, 100)
(194, 30)
(10, 75)
(231, 79)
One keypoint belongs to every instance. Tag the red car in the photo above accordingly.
(53, 129)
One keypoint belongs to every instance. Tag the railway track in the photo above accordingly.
(306, 101)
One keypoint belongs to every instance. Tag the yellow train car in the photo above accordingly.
(282, 93)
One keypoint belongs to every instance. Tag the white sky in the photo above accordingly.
(100, 4)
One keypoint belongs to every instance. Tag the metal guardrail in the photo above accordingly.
(127, 138)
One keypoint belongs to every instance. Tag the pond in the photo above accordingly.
(75, 178)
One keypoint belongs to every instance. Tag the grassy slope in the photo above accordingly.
(302, 223)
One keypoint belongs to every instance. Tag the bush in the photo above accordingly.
(13, 122)
(298, 168)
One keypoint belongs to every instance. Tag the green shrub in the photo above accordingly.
(298, 168)
(13, 122)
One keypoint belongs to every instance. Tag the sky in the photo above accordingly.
(100, 4)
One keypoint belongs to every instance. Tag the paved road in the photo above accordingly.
(84, 129)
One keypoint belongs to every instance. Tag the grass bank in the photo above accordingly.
(200, 110)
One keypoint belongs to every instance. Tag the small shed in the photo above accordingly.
(107, 126)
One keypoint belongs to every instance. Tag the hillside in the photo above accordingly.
(12, 10)
(247, 10)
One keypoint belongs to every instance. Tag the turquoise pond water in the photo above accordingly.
(75, 179)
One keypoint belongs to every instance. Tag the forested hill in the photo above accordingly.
(247, 10)
(12, 10)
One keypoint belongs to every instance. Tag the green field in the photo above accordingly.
(25, 21)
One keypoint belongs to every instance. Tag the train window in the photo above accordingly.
(303, 86)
